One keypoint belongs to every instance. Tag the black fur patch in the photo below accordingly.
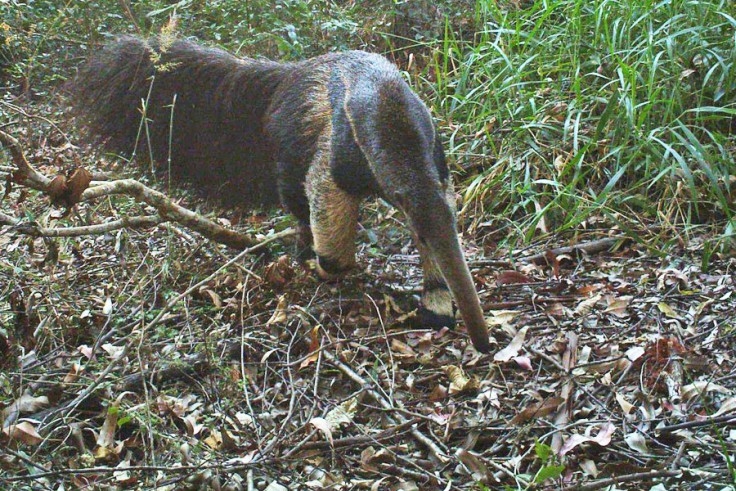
(435, 284)
(439, 159)
(330, 266)
(427, 318)
(349, 166)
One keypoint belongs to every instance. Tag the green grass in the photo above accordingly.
(562, 115)
(566, 111)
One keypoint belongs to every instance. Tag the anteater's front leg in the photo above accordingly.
(333, 215)
(436, 309)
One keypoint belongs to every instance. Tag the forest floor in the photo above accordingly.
(134, 360)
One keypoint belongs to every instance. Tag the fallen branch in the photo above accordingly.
(530, 301)
(26, 174)
(195, 364)
(169, 210)
(166, 208)
(592, 247)
(720, 421)
(354, 441)
(226, 467)
(35, 230)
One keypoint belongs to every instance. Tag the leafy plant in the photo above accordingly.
(550, 469)
(564, 111)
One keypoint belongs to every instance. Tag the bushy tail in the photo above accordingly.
(203, 108)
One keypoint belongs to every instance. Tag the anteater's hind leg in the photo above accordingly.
(333, 215)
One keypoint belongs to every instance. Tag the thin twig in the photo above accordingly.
(639, 476)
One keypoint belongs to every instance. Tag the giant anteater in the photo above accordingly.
(320, 135)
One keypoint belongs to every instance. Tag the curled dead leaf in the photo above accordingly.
(214, 440)
(314, 345)
(537, 410)
(322, 425)
(280, 314)
(667, 310)
(57, 188)
(23, 432)
(700, 387)
(477, 468)
(67, 190)
(106, 436)
(618, 305)
(278, 273)
(459, 381)
(501, 318)
(626, 406)
(513, 348)
(636, 441)
(25, 404)
(524, 362)
(602, 438)
(342, 414)
(76, 183)
(587, 305)
(216, 300)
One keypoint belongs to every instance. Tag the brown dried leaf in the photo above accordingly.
(512, 278)
(603, 438)
(23, 432)
(537, 410)
(667, 310)
(439, 393)
(636, 441)
(76, 184)
(513, 348)
(524, 362)
(279, 315)
(278, 273)
(57, 189)
(342, 414)
(322, 425)
(459, 381)
(23, 405)
(501, 318)
(587, 305)
(106, 437)
(618, 305)
(214, 440)
(123, 476)
(626, 406)
(474, 465)
(403, 350)
(216, 300)
(314, 345)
